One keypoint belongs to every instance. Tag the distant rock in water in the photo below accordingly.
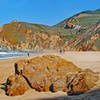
(49, 73)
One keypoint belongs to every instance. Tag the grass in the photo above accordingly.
(94, 12)
(89, 20)
(97, 43)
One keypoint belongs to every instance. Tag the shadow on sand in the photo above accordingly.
(92, 95)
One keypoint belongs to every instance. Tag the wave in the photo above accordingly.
(3, 52)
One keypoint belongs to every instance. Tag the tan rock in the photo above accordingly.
(50, 73)
(16, 85)
(41, 72)
(59, 85)
(82, 81)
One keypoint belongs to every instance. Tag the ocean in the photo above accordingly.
(16, 54)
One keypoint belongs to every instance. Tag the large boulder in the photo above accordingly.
(16, 85)
(81, 82)
(59, 85)
(76, 83)
(42, 71)
(50, 73)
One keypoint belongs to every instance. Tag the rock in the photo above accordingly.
(41, 72)
(81, 82)
(19, 66)
(50, 73)
(59, 85)
(16, 85)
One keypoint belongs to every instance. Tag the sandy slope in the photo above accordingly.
(81, 59)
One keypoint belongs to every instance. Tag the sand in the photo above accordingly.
(81, 59)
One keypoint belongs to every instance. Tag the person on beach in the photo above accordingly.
(28, 54)
(60, 51)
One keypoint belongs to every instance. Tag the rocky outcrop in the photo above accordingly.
(50, 73)
(85, 41)
(43, 71)
(26, 37)
(81, 82)
(76, 83)
(16, 85)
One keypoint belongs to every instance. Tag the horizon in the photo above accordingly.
(46, 12)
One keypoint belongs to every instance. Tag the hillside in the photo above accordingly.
(89, 40)
(23, 36)
(80, 32)
(85, 18)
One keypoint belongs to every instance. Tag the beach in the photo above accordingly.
(83, 60)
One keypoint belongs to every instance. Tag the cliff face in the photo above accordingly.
(39, 41)
(27, 37)
(78, 33)
(88, 40)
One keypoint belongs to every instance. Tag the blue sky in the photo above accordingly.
(47, 12)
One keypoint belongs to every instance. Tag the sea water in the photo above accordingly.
(16, 54)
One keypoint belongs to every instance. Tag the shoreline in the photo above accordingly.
(41, 53)
(17, 54)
